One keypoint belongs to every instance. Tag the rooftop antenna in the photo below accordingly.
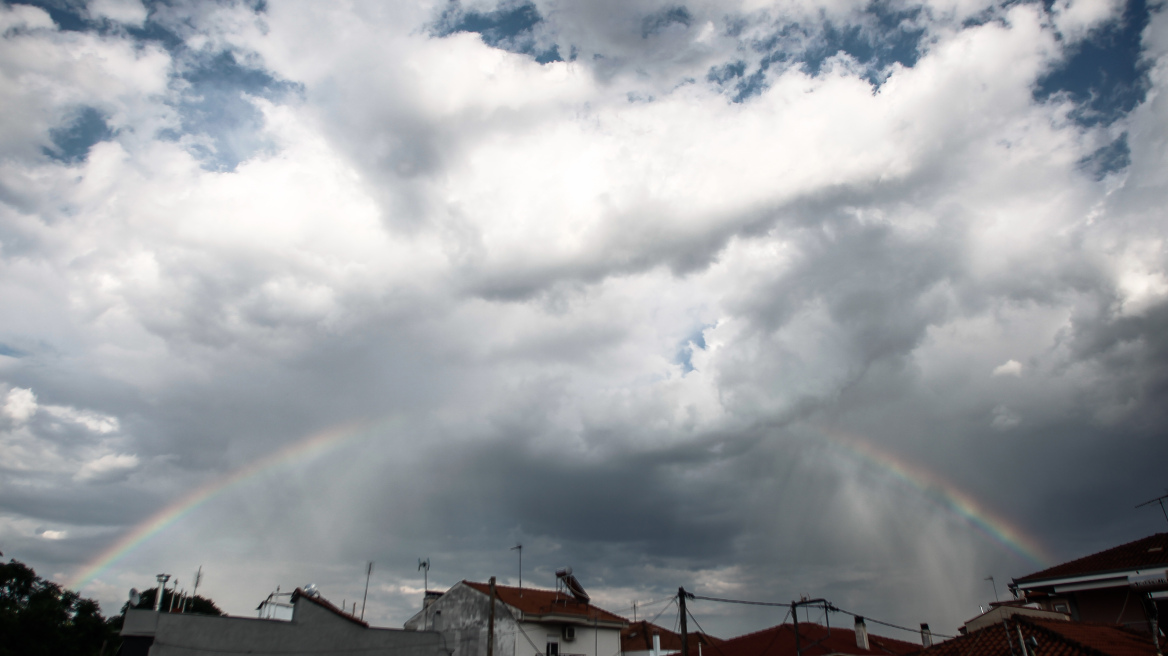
(990, 578)
(368, 573)
(520, 548)
(1159, 500)
(424, 565)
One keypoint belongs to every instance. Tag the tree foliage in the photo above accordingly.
(181, 603)
(38, 617)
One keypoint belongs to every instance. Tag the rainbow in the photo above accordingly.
(305, 448)
(946, 494)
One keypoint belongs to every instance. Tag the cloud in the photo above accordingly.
(130, 12)
(1008, 368)
(106, 468)
(20, 404)
(634, 307)
(1005, 418)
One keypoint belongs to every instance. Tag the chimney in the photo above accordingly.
(926, 635)
(431, 597)
(861, 633)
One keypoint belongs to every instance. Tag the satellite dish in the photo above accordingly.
(135, 598)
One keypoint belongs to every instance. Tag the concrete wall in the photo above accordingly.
(588, 642)
(312, 629)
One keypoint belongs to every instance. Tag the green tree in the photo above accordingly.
(38, 617)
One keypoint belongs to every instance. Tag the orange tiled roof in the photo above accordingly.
(1148, 552)
(1055, 638)
(537, 602)
(814, 640)
(638, 636)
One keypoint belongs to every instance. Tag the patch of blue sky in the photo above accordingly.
(83, 129)
(212, 89)
(881, 36)
(1104, 74)
(662, 20)
(685, 351)
(11, 352)
(1111, 158)
(511, 26)
(215, 105)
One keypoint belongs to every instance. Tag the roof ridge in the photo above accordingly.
(1055, 635)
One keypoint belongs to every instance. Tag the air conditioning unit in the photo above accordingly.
(569, 633)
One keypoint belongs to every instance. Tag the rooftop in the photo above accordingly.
(1054, 637)
(814, 640)
(638, 636)
(537, 602)
(1149, 552)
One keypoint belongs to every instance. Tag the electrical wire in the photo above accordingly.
(888, 624)
(830, 607)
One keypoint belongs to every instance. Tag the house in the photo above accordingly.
(814, 640)
(1031, 636)
(1003, 610)
(316, 626)
(647, 639)
(527, 621)
(1125, 585)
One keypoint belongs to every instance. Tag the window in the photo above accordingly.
(553, 649)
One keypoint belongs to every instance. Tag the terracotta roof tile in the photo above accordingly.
(814, 640)
(536, 602)
(1148, 552)
(1054, 637)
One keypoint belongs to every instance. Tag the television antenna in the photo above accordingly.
(1159, 500)
(520, 548)
(424, 565)
(368, 573)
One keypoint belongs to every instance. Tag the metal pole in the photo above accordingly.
(990, 578)
(368, 573)
(684, 626)
(520, 548)
(162, 579)
(491, 622)
(795, 614)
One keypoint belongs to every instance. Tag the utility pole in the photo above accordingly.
(684, 626)
(491, 622)
(368, 573)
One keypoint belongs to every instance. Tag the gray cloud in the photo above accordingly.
(609, 307)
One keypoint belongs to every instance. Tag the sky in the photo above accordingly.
(862, 300)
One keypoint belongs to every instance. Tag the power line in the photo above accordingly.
(888, 624)
(740, 601)
(829, 607)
